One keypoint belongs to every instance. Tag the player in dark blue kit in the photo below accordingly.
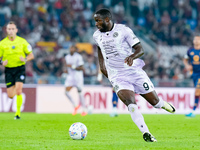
(192, 63)
(114, 96)
(114, 103)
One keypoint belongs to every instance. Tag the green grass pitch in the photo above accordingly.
(50, 132)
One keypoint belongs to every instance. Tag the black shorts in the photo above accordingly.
(15, 74)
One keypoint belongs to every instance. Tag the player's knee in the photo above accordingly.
(132, 107)
(11, 96)
(18, 92)
(197, 93)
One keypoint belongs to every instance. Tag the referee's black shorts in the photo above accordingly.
(15, 74)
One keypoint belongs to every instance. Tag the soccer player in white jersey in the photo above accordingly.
(118, 53)
(74, 63)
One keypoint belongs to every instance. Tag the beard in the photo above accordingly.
(104, 27)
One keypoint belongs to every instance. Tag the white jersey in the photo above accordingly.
(75, 77)
(115, 46)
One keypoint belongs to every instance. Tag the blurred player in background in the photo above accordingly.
(118, 53)
(15, 52)
(114, 96)
(74, 64)
(192, 63)
(114, 103)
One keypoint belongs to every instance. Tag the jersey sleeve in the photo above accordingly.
(130, 37)
(95, 39)
(27, 47)
(187, 56)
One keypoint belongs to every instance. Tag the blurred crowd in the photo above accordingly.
(166, 22)
(170, 22)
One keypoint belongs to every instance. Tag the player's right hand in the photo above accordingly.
(129, 60)
(5, 63)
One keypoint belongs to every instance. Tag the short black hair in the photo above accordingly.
(196, 34)
(104, 13)
(74, 46)
(12, 22)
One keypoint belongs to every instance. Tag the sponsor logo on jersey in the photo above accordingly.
(196, 58)
(22, 77)
(29, 48)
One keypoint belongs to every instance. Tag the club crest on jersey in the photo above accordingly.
(13, 47)
(22, 77)
(115, 34)
(196, 58)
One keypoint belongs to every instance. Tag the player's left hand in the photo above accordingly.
(22, 59)
(129, 60)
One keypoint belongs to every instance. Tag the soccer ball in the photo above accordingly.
(78, 131)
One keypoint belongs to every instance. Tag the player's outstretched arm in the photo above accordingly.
(101, 63)
(137, 53)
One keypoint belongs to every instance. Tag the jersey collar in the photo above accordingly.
(13, 40)
(113, 27)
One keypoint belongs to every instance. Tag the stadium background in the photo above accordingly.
(165, 28)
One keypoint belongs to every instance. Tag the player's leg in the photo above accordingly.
(114, 103)
(69, 84)
(82, 101)
(145, 88)
(156, 102)
(18, 88)
(196, 98)
(20, 77)
(76, 107)
(10, 83)
(125, 89)
(11, 91)
(128, 98)
(196, 101)
(67, 90)
(79, 84)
